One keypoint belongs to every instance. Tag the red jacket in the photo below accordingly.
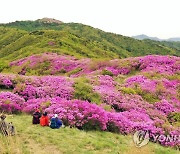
(44, 121)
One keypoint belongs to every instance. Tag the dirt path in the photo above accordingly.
(35, 147)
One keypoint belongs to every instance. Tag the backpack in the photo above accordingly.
(53, 123)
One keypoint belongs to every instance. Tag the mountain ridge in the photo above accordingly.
(143, 36)
(25, 38)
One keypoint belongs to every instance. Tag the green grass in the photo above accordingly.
(84, 91)
(25, 38)
(42, 140)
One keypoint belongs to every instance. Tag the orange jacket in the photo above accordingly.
(44, 121)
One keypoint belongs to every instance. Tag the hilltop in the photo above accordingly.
(49, 20)
(25, 38)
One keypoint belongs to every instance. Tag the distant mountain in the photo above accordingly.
(143, 37)
(175, 39)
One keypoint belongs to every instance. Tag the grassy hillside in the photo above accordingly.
(172, 44)
(29, 37)
(24, 43)
(37, 139)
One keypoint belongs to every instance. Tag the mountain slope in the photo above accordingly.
(25, 43)
(170, 44)
(75, 39)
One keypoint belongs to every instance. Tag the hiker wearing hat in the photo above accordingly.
(36, 117)
(55, 122)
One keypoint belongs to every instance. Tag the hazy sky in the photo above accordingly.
(159, 18)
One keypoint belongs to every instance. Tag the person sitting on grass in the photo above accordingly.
(55, 122)
(36, 117)
(44, 120)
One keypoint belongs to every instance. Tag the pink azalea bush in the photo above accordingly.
(145, 83)
(165, 107)
(5, 81)
(162, 88)
(10, 102)
(129, 100)
(160, 64)
(47, 86)
(83, 115)
(75, 113)
(58, 64)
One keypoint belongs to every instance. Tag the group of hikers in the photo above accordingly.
(44, 120)
(7, 129)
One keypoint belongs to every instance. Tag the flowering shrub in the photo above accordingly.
(160, 64)
(66, 64)
(55, 63)
(165, 107)
(10, 102)
(75, 113)
(119, 123)
(143, 82)
(159, 89)
(39, 103)
(5, 81)
(47, 86)
(135, 100)
(84, 115)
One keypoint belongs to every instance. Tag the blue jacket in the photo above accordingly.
(55, 123)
